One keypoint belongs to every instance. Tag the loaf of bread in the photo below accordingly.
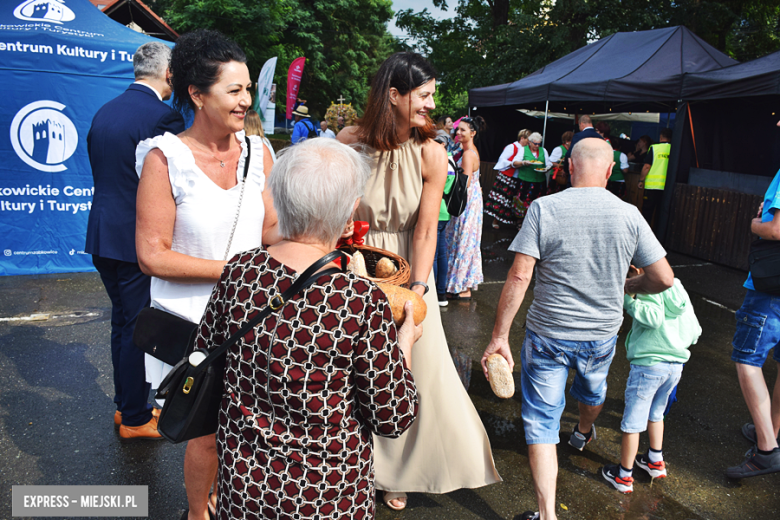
(397, 297)
(358, 265)
(385, 268)
(501, 381)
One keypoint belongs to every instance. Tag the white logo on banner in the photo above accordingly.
(43, 137)
(44, 10)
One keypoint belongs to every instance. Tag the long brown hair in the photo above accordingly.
(404, 71)
(252, 124)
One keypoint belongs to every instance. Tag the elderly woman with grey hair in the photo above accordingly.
(531, 163)
(305, 392)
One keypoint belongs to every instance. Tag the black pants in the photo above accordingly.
(128, 289)
(650, 202)
(618, 189)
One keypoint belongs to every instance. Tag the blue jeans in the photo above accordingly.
(440, 258)
(647, 393)
(546, 363)
(758, 329)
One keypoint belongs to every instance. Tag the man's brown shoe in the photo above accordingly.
(146, 431)
(118, 416)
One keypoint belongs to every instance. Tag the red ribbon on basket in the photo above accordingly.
(360, 230)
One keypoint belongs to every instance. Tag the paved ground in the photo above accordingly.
(56, 410)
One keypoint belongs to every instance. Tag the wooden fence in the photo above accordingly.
(712, 224)
(487, 176)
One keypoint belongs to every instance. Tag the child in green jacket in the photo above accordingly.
(657, 347)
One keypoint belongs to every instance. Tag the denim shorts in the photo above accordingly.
(647, 392)
(758, 329)
(545, 368)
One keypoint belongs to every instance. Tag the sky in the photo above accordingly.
(417, 6)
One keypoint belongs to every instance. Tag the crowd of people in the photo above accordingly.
(328, 401)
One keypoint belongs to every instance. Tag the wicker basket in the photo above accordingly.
(372, 255)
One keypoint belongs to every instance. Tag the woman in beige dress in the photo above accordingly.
(447, 447)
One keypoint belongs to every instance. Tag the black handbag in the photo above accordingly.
(166, 336)
(163, 335)
(194, 387)
(764, 264)
(458, 196)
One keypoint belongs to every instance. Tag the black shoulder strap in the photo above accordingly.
(308, 277)
(248, 155)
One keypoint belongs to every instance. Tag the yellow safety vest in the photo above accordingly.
(656, 177)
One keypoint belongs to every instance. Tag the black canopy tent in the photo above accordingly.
(727, 133)
(759, 77)
(636, 71)
(729, 120)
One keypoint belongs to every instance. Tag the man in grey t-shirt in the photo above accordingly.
(581, 241)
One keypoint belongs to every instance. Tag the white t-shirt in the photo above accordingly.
(327, 133)
(503, 161)
(623, 161)
(557, 154)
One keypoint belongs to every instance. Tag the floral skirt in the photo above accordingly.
(527, 192)
(499, 202)
(464, 233)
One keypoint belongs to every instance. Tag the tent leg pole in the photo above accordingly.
(544, 129)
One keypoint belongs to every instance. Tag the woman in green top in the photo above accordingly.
(617, 181)
(442, 244)
(531, 164)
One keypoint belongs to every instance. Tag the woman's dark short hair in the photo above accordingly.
(404, 71)
(197, 60)
(603, 128)
(567, 137)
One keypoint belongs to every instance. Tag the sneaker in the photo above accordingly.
(749, 431)
(530, 515)
(756, 464)
(578, 440)
(655, 469)
(612, 475)
(442, 300)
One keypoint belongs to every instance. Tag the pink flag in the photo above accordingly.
(294, 75)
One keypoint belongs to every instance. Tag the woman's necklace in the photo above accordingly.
(221, 162)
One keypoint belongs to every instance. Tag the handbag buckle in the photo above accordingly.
(188, 385)
(276, 302)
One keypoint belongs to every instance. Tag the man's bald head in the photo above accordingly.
(591, 163)
(585, 122)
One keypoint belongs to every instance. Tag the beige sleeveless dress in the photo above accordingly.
(447, 447)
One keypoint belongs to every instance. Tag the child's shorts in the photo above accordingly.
(647, 392)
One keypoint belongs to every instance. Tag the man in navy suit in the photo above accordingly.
(586, 131)
(117, 128)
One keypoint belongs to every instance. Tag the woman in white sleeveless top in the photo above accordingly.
(195, 210)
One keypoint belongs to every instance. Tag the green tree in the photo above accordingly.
(498, 41)
(344, 41)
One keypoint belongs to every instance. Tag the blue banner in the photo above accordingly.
(59, 63)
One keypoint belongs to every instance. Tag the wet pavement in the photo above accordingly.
(56, 410)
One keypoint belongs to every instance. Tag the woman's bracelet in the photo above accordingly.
(425, 285)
